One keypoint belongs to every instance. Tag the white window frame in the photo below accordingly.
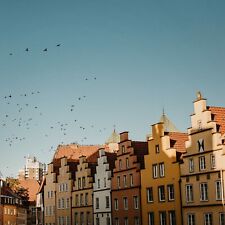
(172, 217)
(131, 180)
(150, 193)
(218, 187)
(162, 197)
(202, 165)
(162, 217)
(125, 180)
(213, 161)
(191, 219)
(189, 193)
(203, 191)
(161, 169)
(171, 192)
(155, 170)
(222, 218)
(208, 220)
(116, 204)
(125, 203)
(191, 165)
(151, 218)
(136, 202)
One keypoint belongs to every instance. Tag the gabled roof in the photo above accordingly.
(74, 151)
(219, 117)
(177, 141)
(168, 125)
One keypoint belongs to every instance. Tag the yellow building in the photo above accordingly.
(82, 195)
(203, 168)
(160, 190)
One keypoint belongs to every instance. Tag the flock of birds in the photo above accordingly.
(19, 118)
(44, 50)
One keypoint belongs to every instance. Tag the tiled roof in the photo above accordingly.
(219, 117)
(178, 140)
(74, 151)
(32, 186)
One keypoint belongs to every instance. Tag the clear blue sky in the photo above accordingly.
(145, 55)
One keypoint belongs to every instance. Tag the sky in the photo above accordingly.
(119, 64)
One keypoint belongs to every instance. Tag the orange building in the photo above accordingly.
(160, 190)
(126, 181)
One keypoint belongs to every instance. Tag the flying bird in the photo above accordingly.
(58, 45)
(45, 50)
(26, 49)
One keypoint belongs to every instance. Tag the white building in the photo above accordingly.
(102, 188)
(33, 169)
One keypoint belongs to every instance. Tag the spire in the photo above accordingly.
(114, 137)
(168, 125)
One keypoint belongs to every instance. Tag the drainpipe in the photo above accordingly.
(221, 178)
(181, 203)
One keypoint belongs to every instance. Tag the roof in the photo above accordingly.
(32, 186)
(177, 141)
(74, 151)
(219, 117)
(114, 138)
(168, 125)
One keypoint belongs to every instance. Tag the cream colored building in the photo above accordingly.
(203, 168)
(160, 190)
(102, 188)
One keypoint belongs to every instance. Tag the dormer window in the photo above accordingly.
(201, 145)
(157, 149)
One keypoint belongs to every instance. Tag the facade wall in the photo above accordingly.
(151, 184)
(202, 171)
(102, 191)
(50, 196)
(82, 202)
(126, 183)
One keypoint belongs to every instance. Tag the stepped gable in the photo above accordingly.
(74, 151)
(218, 115)
(177, 141)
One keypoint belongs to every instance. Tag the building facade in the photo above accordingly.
(102, 188)
(126, 181)
(203, 168)
(160, 187)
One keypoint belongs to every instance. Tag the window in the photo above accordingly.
(118, 181)
(76, 218)
(97, 221)
(161, 191)
(77, 200)
(67, 203)
(202, 165)
(203, 191)
(120, 164)
(63, 203)
(151, 218)
(155, 170)
(125, 203)
(81, 199)
(161, 169)
(189, 193)
(83, 182)
(208, 219)
(126, 221)
(191, 165)
(157, 149)
(86, 199)
(107, 201)
(213, 161)
(150, 194)
(136, 220)
(59, 203)
(116, 204)
(218, 190)
(222, 218)
(136, 202)
(125, 180)
(81, 218)
(162, 217)
(79, 183)
(67, 220)
(108, 221)
(170, 189)
(191, 219)
(127, 163)
(172, 218)
(88, 220)
(131, 180)
(201, 145)
(117, 222)
(104, 181)
(97, 203)
(123, 149)
(98, 183)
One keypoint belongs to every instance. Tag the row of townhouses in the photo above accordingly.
(173, 178)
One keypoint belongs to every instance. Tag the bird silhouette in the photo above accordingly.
(10, 54)
(26, 49)
(45, 50)
(58, 45)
